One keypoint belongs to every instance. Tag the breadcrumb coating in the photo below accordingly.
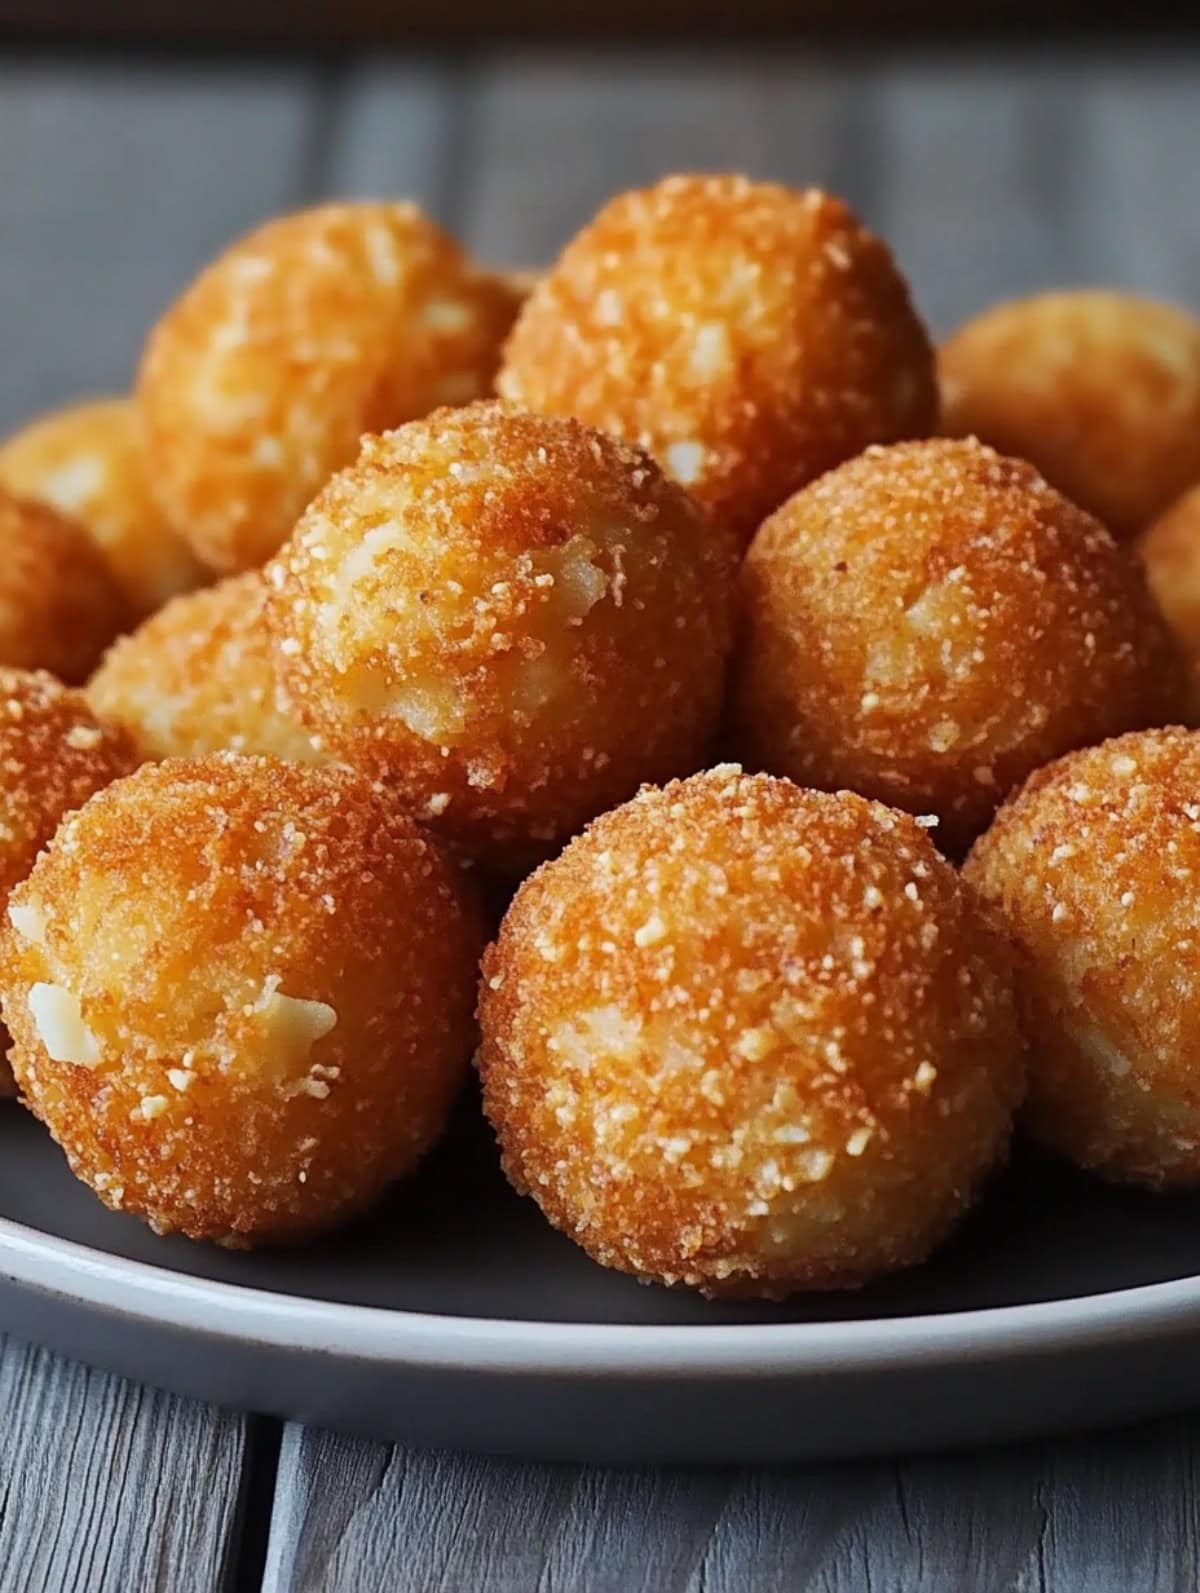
(748, 335)
(1100, 390)
(60, 605)
(53, 755)
(258, 382)
(198, 677)
(1093, 867)
(87, 462)
(1170, 554)
(510, 619)
(240, 995)
(750, 1038)
(930, 623)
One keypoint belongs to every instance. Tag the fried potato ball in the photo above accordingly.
(1100, 390)
(240, 995)
(1093, 867)
(87, 461)
(258, 382)
(512, 620)
(53, 755)
(1170, 554)
(198, 677)
(750, 1038)
(749, 336)
(60, 605)
(931, 622)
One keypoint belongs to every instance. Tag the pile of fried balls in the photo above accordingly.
(816, 701)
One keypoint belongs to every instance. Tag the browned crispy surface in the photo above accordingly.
(87, 462)
(1094, 867)
(749, 336)
(198, 677)
(257, 383)
(512, 619)
(1170, 554)
(931, 622)
(53, 754)
(750, 1038)
(1100, 390)
(60, 605)
(183, 913)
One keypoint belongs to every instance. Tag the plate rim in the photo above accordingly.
(237, 1313)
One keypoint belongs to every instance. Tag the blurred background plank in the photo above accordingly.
(393, 129)
(978, 168)
(111, 1488)
(117, 180)
(551, 137)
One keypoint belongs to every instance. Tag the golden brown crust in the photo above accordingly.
(87, 462)
(1170, 554)
(258, 382)
(749, 1038)
(1100, 390)
(930, 622)
(188, 918)
(512, 619)
(747, 335)
(1093, 867)
(60, 605)
(53, 755)
(198, 677)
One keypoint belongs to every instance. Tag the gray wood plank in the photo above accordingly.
(1105, 1513)
(1138, 188)
(549, 138)
(977, 191)
(391, 132)
(110, 1488)
(1000, 179)
(117, 181)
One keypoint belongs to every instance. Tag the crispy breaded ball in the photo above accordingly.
(240, 995)
(750, 1038)
(511, 619)
(747, 335)
(1094, 868)
(87, 461)
(198, 677)
(60, 605)
(1170, 554)
(931, 622)
(258, 382)
(53, 755)
(1100, 390)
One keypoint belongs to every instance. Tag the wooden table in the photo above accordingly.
(991, 176)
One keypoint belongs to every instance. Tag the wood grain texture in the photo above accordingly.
(117, 181)
(1105, 1514)
(110, 1488)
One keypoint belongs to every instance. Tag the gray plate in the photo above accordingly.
(456, 1316)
